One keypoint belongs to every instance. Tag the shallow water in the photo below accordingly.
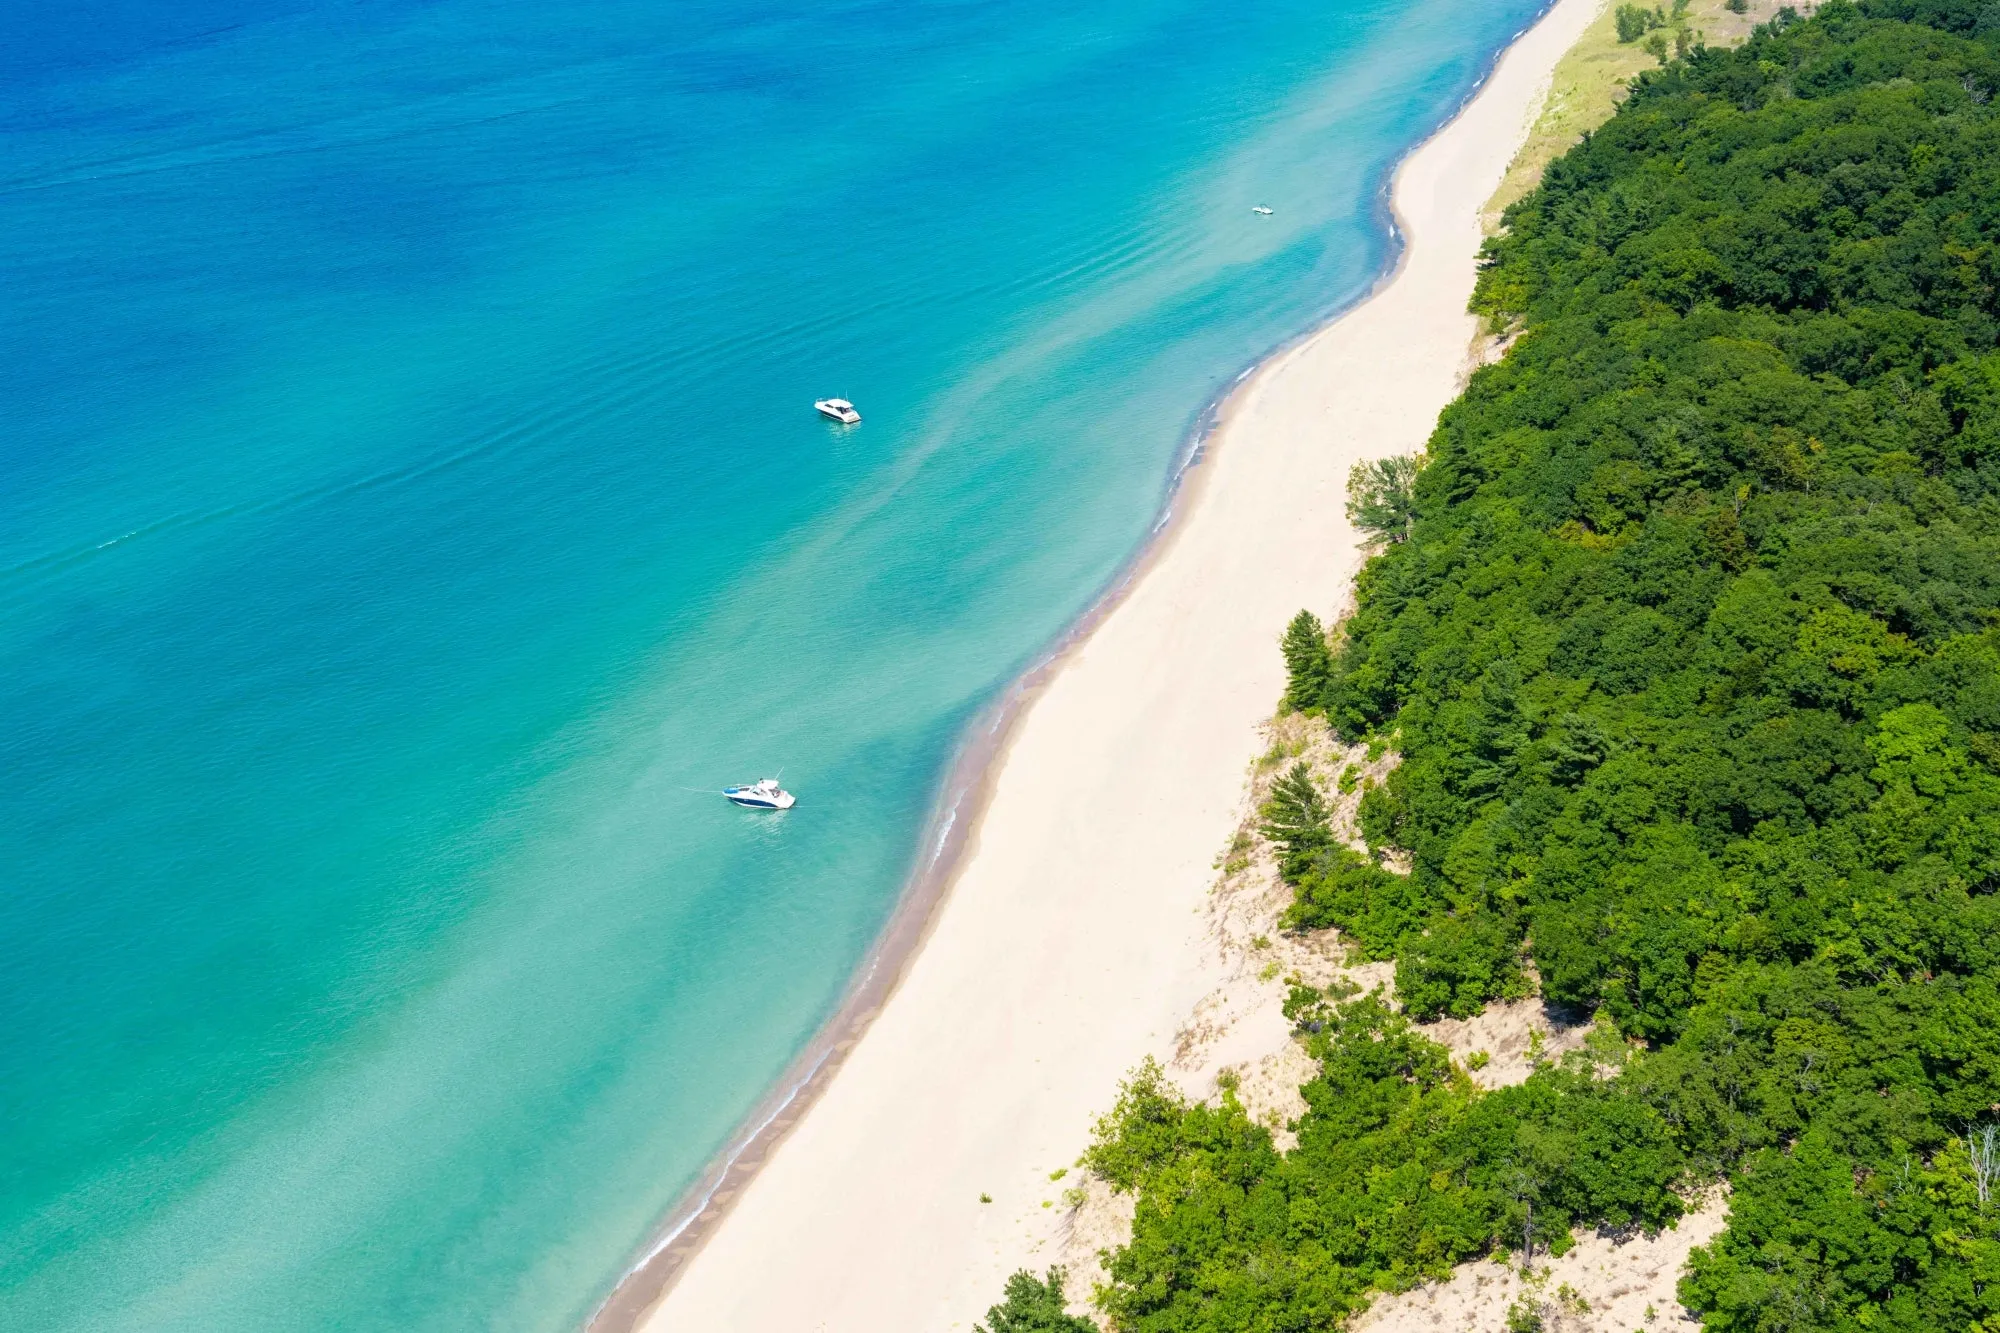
(411, 509)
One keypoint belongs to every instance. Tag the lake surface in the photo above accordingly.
(412, 509)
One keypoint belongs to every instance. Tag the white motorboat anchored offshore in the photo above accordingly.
(1259, 208)
(837, 409)
(763, 795)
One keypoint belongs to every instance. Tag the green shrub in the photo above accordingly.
(1374, 908)
(1456, 964)
(1635, 21)
(1034, 1306)
(1381, 497)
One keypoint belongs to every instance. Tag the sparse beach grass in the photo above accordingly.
(1590, 81)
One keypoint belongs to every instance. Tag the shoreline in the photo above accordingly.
(975, 768)
(952, 834)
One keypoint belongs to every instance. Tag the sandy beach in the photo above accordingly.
(1071, 942)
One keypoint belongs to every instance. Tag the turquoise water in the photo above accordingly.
(409, 490)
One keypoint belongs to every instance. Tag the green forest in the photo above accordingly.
(1687, 633)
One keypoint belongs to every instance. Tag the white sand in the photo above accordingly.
(1601, 1286)
(1070, 945)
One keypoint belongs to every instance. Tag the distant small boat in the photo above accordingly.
(764, 795)
(837, 409)
(1259, 208)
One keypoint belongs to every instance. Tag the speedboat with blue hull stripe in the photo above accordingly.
(764, 795)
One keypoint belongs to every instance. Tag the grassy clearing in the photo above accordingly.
(1589, 83)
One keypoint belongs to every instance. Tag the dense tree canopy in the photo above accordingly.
(1692, 658)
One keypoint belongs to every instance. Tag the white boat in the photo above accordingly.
(837, 409)
(1259, 208)
(764, 795)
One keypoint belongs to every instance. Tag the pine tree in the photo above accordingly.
(1296, 819)
(1308, 666)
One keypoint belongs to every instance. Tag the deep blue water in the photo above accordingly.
(409, 490)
